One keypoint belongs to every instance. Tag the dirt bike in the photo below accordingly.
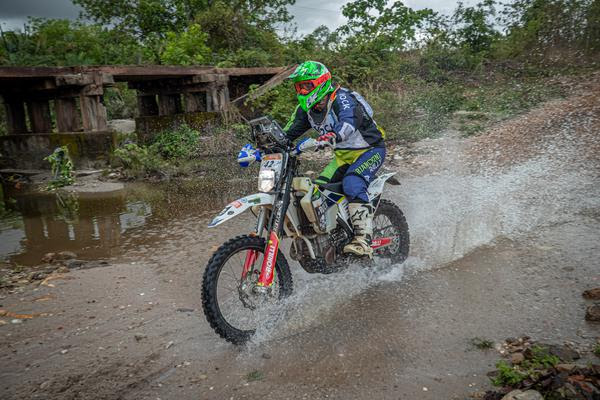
(250, 270)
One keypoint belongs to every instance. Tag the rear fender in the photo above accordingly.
(376, 187)
(240, 205)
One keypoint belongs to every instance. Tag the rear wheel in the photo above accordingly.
(389, 223)
(230, 304)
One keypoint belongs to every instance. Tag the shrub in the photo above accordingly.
(180, 143)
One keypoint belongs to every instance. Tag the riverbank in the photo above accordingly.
(505, 240)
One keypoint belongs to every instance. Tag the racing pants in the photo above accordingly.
(356, 169)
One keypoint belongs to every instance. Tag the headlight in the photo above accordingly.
(266, 180)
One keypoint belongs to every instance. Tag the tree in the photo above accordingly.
(391, 27)
(63, 42)
(186, 48)
(476, 26)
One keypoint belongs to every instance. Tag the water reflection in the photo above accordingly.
(99, 225)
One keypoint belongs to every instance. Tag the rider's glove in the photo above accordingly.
(248, 155)
(302, 144)
(329, 137)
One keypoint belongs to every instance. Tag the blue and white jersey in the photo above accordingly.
(348, 115)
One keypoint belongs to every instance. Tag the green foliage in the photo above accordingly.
(475, 26)
(482, 344)
(186, 48)
(532, 367)
(541, 359)
(278, 102)
(508, 375)
(254, 376)
(138, 161)
(61, 167)
(120, 101)
(596, 350)
(179, 143)
(62, 42)
(168, 153)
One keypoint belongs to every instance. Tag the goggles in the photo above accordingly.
(305, 87)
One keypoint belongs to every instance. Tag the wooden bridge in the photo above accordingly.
(51, 106)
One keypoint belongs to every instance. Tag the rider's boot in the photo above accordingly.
(361, 216)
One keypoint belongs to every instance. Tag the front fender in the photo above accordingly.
(240, 205)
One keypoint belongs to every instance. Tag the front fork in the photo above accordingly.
(265, 279)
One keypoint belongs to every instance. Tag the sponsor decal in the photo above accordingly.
(345, 102)
(254, 200)
(371, 164)
(377, 243)
(266, 273)
(237, 204)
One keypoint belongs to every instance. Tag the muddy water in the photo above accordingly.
(102, 225)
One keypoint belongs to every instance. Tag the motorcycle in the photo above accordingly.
(250, 270)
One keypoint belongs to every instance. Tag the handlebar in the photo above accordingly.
(309, 144)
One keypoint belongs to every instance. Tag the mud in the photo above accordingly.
(499, 249)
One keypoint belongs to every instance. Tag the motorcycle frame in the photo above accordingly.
(278, 202)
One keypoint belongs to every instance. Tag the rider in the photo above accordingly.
(344, 119)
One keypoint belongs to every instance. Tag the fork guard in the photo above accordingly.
(238, 206)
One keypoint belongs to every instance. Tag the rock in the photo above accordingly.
(565, 353)
(183, 309)
(591, 294)
(16, 321)
(65, 255)
(511, 395)
(477, 395)
(529, 395)
(62, 269)
(74, 264)
(520, 395)
(169, 344)
(517, 358)
(48, 258)
(593, 313)
(565, 367)
(139, 337)
(37, 276)
(45, 385)
(266, 356)
(65, 351)
(121, 125)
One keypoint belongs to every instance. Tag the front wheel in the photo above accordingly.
(389, 223)
(231, 303)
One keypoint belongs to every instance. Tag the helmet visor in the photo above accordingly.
(305, 87)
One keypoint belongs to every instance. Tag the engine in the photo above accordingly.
(327, 249)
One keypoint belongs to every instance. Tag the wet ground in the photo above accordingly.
(497, 251)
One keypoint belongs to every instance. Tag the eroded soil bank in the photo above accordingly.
(505, 239)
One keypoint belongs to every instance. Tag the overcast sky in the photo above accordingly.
(309, 14)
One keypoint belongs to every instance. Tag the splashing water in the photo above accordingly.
(451, 214)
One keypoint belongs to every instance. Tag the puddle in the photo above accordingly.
(99, 225)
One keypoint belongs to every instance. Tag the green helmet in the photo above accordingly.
(312, 82)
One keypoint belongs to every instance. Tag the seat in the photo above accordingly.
(335, 187)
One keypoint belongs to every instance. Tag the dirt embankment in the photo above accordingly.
(135, 329)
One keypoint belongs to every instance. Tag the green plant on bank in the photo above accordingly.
(596, 350)
(482, 344)
(510, 375)
(254, 376)
(138, 161)
(61, 167)
(180, 143)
